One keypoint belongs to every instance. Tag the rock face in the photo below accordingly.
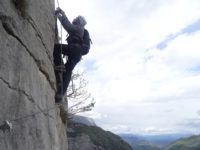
(27, 81)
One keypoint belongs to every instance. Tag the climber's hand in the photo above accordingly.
(59, 11)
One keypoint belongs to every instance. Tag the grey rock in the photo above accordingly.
(27, 80)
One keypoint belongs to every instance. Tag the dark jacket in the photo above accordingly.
(72, 29)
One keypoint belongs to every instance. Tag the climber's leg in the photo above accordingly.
(71, 63)
(59, 67)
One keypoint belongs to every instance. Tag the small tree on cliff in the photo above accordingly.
(78, 98)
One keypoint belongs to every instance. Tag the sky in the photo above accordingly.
(143, 67)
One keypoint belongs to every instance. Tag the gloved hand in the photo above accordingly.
(59, 11)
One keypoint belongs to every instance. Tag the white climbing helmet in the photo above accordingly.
(81, 20)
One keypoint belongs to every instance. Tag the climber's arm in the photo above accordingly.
(69, 27)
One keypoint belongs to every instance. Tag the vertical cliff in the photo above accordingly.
(27, 81)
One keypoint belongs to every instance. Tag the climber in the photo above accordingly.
(73, 50)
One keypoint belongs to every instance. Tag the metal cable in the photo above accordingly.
(37, 113)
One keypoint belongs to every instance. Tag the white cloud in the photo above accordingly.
(133, 86)
(183, 52)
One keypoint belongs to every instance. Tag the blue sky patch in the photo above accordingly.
(191, 28)
(195, 69)
(164, 43)
(188, 30)
(89, 65)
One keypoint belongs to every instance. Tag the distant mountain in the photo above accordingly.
(86, 137)
(151, 142)
(191, 143)
(83, 120)
(139, 143)
(164, 139)
(146, 147)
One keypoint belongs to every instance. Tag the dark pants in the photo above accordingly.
(73, 57)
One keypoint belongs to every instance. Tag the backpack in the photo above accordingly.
(86, 42)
